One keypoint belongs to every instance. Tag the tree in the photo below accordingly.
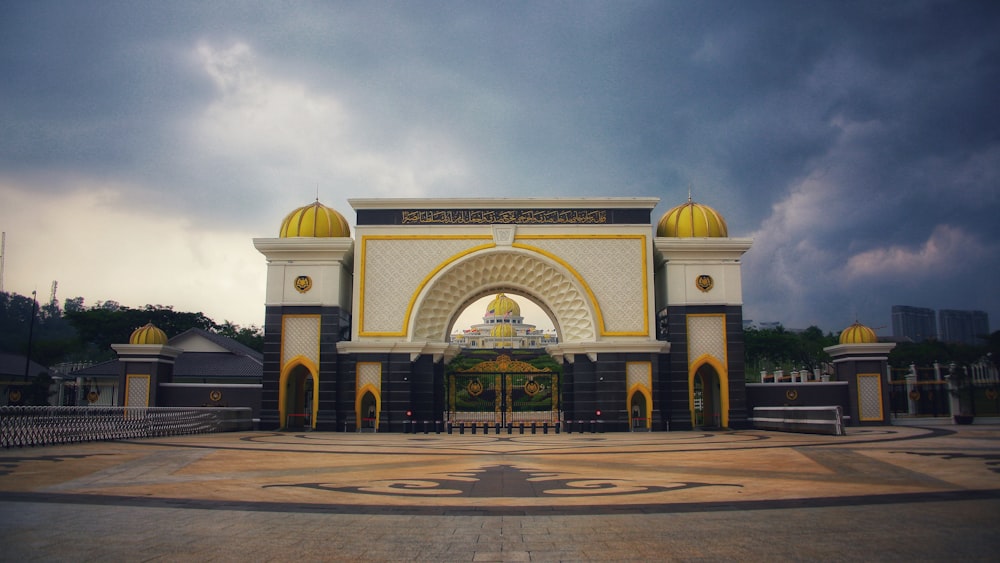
(38, 391)
(768, 349)
(776, 348)
(52, 337)
(252, 336)
(993, 348)
(809, 351)
(929, 352)
(74, 305)
(103, 325)
(81, 334)
(15, 315)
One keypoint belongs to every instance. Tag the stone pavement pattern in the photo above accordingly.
(888, 493)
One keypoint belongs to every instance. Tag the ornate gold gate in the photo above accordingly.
(503, 391)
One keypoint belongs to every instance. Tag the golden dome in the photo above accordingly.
(503, 330)
(314, 220)
(858, 333)
(692, 220)
(501, 305)
(148, 334)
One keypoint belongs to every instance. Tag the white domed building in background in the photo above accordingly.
(503, 326)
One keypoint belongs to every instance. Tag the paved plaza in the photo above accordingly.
(884, 493)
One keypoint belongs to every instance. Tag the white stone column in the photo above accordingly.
(911, 379)
(953, 404)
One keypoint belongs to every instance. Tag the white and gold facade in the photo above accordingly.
(388, 298)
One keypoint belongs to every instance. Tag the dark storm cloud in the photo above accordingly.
(841, 135)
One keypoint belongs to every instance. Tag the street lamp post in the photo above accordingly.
(31, 330)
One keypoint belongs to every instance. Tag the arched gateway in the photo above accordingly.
(357, 328)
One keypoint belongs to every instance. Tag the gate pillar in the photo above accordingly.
(307, 307)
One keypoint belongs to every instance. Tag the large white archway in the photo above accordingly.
(554, 285)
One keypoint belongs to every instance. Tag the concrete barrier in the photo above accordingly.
(810, 420)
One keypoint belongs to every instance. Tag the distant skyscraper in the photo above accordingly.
(963, 326)
(916, 323)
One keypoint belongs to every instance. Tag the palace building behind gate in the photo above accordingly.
(648, 315)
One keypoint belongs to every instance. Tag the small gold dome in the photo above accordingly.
(858, 333)
(690, 220)
(148, 334)
(314, 220)
(503, 330)
(501, 305)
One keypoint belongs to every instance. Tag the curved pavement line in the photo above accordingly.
(604, 446)
(486, 510)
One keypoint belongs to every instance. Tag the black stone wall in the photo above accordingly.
(332, 322)
(848, 371)
(180, 395)
(159, 371)
(674, 379)
(817, 394)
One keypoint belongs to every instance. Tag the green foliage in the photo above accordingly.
(993, 348)
(38, 391)
(777, 348)
(109, 323)
(954, 359)
(252, 336)
(930, 351)
(470, 358)
(85, 334)
(52, 337)
(463, 362)
(547, 362)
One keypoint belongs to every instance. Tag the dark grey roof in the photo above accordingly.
(12, 365)
(109, 368)
(227, 343)
(238, 362)
(216, 364)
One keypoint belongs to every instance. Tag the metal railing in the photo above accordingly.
(41, 426)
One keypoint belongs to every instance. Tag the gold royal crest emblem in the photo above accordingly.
(705, 282)
(532, 387)
(475, 387)
(303, 284)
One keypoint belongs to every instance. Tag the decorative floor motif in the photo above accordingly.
(445, 475)
(9, 464)
(991, 461)
(504, 481)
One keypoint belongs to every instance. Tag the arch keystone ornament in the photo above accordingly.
(360, 317)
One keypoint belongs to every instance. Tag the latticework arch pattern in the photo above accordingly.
(560, 291)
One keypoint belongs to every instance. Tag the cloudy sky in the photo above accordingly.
(144, 144)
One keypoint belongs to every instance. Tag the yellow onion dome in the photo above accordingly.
(690, 220)
(148, 334)
(858, 333)
(314, 220)
(501, 305)
(502, 330)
